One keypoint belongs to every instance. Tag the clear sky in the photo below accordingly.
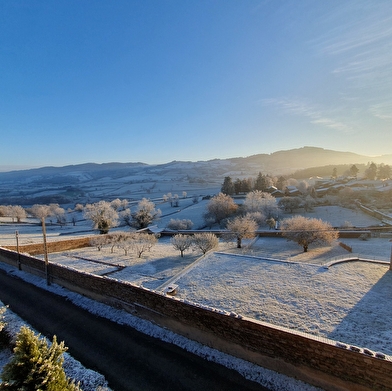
(162, 80)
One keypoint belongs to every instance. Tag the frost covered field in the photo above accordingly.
(342, 302)
(348, 302)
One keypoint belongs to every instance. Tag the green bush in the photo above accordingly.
(36, 366)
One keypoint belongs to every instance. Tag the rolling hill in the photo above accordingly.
(90, 182)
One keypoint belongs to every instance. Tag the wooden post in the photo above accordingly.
(390, 262)
(17, 249)
(45, 252)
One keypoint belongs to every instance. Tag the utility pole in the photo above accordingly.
(390, 262)
(45, 251)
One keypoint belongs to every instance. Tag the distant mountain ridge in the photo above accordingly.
(280, 162)
(91, 181)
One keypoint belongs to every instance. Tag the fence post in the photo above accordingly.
(17, 249)
(45, 251)
(390, 262)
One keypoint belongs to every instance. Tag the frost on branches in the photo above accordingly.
(306, 231)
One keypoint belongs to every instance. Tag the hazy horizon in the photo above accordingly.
(6, 168)
(154, 81)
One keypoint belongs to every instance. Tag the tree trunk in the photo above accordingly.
(238, 242)
(305, 248)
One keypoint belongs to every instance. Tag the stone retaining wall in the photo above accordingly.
(53, 247)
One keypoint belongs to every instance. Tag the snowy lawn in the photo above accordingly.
(349, 302)
(338, 216)
(153, 269)
(272, 280)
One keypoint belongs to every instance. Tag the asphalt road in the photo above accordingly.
(129, 360)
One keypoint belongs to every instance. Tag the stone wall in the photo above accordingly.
(53, 247)
(317, 361)
(375, 213)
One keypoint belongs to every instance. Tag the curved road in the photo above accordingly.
(129, 360)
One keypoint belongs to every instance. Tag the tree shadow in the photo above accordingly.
(369, 323)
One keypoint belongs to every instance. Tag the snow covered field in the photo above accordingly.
(271, 280)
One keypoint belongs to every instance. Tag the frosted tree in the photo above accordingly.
(16, 212)
(145, 214)
(102, 215)
(220, 207)
(181, 243)
(179, 224)
(303, 187)
(168, 198)
(79, 208)
(58, 213)
(116, 204)
(241, 228)
(205, 241)
(307, 231)
(41, 212)
(176, 201)
(260, 201)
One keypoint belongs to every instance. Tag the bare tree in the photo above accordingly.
(124, 241)
(220, 207)
(145, 214)
(205, 241)
(102, 215)
(306, 231)
(98, 242)
(142, 242)
(241, 228)
(116, 238)
(181, 242)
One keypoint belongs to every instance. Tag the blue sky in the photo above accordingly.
(156, 81)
